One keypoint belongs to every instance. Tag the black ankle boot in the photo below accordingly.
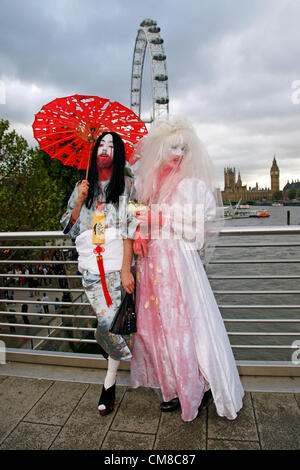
(206, 401)
(107, 398)
(171, 405)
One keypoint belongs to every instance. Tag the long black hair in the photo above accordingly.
(116, 183)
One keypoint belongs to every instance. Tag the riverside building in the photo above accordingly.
(234, 190)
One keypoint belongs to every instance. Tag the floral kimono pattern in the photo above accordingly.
(116, 216)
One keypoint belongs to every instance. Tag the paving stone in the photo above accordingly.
(222, 444)
(85, 428)
(278, 418)
(175, 434)
(243, 428)
(297, 397)
(41, 414)
(138, 412)
(30, 436)
(57, 404)
(17, 397)
(117, 440)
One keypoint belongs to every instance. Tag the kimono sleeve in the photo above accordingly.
(70, 229)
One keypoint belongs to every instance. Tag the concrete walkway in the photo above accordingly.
(50, 414)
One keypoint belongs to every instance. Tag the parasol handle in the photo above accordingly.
(88, 165)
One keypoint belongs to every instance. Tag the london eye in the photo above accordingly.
(148, 36)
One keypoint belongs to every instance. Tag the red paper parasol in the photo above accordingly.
(67, 128)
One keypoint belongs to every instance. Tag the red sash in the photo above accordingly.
(98, 250)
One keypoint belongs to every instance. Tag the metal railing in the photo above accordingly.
(61, 336)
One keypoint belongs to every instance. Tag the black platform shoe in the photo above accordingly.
(107, 398)
(171, 405)
(206, 401)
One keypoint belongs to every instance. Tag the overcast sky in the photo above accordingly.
(231, 67)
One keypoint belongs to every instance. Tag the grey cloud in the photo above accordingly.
(93, 40)
(229, 62)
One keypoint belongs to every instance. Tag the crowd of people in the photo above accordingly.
(17, 277)
(24, 270)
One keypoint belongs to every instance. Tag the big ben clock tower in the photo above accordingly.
(274, 172)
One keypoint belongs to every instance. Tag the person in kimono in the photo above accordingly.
(98, 219)
(181, 346)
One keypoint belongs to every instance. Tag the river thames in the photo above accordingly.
(266, 288)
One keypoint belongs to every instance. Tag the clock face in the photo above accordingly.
(276, 173)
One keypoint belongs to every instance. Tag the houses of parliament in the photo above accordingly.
(234, 190)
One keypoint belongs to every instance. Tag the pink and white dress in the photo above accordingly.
(181, 345)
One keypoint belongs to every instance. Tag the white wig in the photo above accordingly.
(153, 154)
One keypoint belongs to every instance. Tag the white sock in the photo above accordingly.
(111, 375)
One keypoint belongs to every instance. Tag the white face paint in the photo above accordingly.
(176, 153)
(105, 152)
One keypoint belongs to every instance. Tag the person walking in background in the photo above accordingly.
(30, 282)
(12, 319)
(39, 308)
(56, 306)
(24, 309)
(22, 279)
(10, 294)
(45, 298)
(45, 272)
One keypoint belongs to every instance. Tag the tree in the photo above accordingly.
(34, 188)
(14, 151)
(277, 196)
(291, 194)
(64, 176)
(29, 198)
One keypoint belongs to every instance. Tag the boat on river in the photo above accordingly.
(261, 213)
(242, 211)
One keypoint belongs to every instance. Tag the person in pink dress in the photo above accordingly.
(181, 346)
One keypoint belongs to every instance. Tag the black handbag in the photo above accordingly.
(124, 322)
